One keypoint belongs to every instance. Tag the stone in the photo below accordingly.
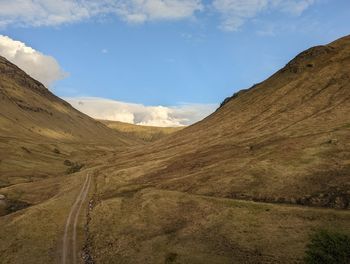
(340, 202)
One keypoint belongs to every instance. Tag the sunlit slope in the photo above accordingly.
(39, 131)
(28, 109)
(187, 198)
(286, 139)
(144, 133)
(178, 200)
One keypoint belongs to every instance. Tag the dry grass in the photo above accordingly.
(144, 133)
(187, 198)
(151, 225)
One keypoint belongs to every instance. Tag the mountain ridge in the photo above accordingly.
(248, 184)
(44, 114)
(270, 142)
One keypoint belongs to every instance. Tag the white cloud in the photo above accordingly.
(44, 12)
(294, 7)
(139, 114)
(53, 12)
(136, 11)
(41, 67)
(236, 12)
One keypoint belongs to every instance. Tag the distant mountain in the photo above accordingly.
(143, 133)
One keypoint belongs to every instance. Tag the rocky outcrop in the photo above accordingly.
(8, 206)
(3, 204)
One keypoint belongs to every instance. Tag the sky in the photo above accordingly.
(161, 62)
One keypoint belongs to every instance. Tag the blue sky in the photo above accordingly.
(192, 52)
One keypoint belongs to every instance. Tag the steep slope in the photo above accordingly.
(286, 139)
(39, 131)
(236, 187)
(144, 133)
(187, 198)
(30, 110)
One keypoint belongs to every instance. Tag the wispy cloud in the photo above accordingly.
(54, 13)
(236, 12)
(41, 67)
(294, 7)
(46, 12)
(136, 11)
(164, 116)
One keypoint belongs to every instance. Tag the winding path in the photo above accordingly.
(67, 249)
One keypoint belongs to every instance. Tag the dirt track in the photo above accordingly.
(69, 251)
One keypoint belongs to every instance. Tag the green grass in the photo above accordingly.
(328, 248)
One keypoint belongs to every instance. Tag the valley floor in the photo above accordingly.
(124, 222)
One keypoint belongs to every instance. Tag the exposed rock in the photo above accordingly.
(235, 95)
(341, 202)
(15, 205)
(3, 205)
(68, 163)
(87, 248)
(334, 198)
(305, 59)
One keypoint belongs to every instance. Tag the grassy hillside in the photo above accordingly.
(248, 184)
(284, 140)
(39, 132)
(30, 110)
(200, 195)
(144, 133)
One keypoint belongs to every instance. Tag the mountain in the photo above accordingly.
(30, 110)
(248, 184)
(143, 133)
(239, 186)
(284, 140)
(39, 131)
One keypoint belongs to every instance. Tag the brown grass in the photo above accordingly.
(189, 197)
(138, 132)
